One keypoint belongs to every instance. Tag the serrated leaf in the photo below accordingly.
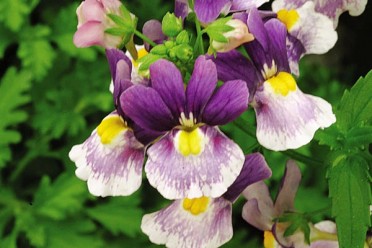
(120, 215)
(355, 108)
(13, 90)
(60, 198)
(350, 190)
(13, 13)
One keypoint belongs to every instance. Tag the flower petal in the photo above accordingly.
(289, 122)
(208, 10)
(254, 169)
(145, 107)
(289, 185)
(89, 34)
(202, 83)
(111, 169)
(181, 8)
(152, 29)
(175, 227)
(90, 10)
(230, 101)
(295, 51)
(167, 80)
(239, 5)
(208, 173)
(259, 210)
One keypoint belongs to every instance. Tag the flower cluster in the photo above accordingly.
(171, 97)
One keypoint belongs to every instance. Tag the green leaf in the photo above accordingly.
(355, 108)
(13, 13)
(61, 198)
(13, 94)
(350, 190)
(119, 215)
(36, 52)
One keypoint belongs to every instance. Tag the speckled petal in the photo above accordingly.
(111, 169)
(177, 228)
(289, 122)
(208, 173)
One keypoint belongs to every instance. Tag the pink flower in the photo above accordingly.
(93, 21)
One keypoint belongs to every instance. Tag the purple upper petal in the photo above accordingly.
(181, 8)
(289, 185)
(230, 101)
(254, 169)
(167, 80)
(201, 86)
(208, 10)
(239, 5)
(145, 107)
(152, 29)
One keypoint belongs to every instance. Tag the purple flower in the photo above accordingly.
(111, 159)
(193, 158)
(260, 211)
(286, 117)
(203, 222)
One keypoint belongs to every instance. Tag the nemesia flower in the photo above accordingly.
(203, 222)
(236, 37)
(286, 117)
(260, 211)
(93, 21)
(193, 158)
(331, 8)
(111, 158)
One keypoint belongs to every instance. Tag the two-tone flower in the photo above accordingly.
(261, 212)
(192, 158)
(286, 117)
(111, 159)
(204, 221)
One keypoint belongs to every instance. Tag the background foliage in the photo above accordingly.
(52, 95)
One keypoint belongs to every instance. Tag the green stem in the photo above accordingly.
(319, 211)
(199, 39)
(242, 125)
(144, 38)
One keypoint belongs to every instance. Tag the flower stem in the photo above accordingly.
(199, 38)
(144, 38)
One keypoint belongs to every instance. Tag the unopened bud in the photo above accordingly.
(171, 25)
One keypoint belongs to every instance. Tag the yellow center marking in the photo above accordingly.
(269, 240)
(190, 142)
(288, 17)
(109, 128)
(141, 53)
(196, 205)
(282, 83)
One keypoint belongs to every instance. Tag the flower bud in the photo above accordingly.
(171, 25)
(235, 37)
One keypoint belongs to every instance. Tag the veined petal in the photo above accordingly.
(193, 164)
(145, 107)
(167, 80)
(175, 227)
(202, 83)
(181, 8)
(295, 51)
(110, 159)
(239, 5)
(208, 10)
(289, 120)
(331, 8)
(259, 209)
(230, 101)
(254, 169)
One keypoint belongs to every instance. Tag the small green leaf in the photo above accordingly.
(117, 31)
(13, 13)
(350, 190)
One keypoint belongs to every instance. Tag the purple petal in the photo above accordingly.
(208, 10)
(175, 227)
(111, 169)
(152, 29)
(208, 173)
(202, 83)
(181, 8)
(289, 122)
(259, 210)
(254, 169)
(167, 80)
(239, 5)
(145, 136)
(89, 34)
(145, 107)
(233, 65)
(295, 51)
(230, 101)
(287, 193)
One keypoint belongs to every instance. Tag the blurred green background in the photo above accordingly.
(52, 95)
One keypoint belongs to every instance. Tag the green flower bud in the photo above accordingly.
(184, 52)
(169, 44)
(182, 38)
(171, 25)
(159, 50)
